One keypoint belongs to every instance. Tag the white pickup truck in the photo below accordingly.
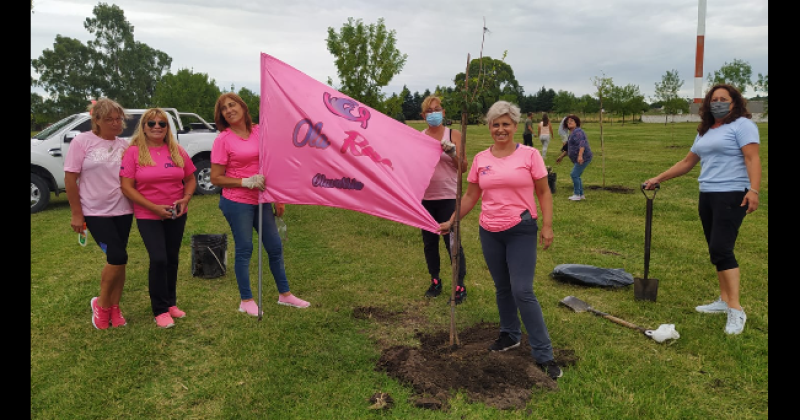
(49, 147)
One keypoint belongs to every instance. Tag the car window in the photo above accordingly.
(130, 125)
(47, 132)
(84, 126)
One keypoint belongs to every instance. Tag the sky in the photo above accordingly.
(559, 45)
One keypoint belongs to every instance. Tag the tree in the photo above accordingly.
(738, 74)
(366, 60)
(667, 94)
(409, 107)
(253, 101)
(603, 85)
(67, 75)
(129, 70)
(762, 85)
(492, 80)
(564, 102)
(189, 92)
(630, 101)
(112, 65)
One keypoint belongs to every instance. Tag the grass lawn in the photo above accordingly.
(319, 363)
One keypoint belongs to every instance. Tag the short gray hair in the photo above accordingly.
(500, 108)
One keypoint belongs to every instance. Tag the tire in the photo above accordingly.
(202, 174)
(40, 193)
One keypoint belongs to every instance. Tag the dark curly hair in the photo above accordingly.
(572, 117)
(739, 108)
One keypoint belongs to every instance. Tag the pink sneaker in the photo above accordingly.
(117, 320)
(249, 307)
(292, 300)
(176, 313)
(165, 320)
(100, 316)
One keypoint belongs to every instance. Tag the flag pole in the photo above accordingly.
(260, 232)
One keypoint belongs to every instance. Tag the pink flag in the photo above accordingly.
(323, 148)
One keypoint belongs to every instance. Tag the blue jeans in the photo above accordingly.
(243, 219)
(577, 171)
(511, 259)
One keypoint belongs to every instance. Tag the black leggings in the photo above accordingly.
(162, 238)
(721, 214)
(111, 234)
(441, 210)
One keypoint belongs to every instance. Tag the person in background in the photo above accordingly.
(505, 177)
(234, 167)
(579, 152)
(727, 148)
(563, 131)
(440, 196)
(527, 135)
(94, 158)
(545, 132)
(158, 176)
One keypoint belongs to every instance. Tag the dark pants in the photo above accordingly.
(111, 235)
(527, 139)
(721, 214)
(511, 259)
(162, 238)
(441, 210)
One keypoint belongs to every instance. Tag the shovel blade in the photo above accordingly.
(575, 304)
(645, 289)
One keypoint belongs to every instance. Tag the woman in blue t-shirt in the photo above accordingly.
(726, 147)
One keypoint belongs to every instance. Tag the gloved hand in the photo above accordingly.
(255, 181)
(448, 147)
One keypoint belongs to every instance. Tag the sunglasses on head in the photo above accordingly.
(152, 124)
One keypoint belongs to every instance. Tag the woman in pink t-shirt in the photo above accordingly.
(94, 158)
(234, 167)
(440, 196)
(505, 177)
(158, 176)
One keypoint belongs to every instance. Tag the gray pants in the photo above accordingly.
(545, 139)
(511, 259)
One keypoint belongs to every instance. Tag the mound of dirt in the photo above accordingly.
(436, 370)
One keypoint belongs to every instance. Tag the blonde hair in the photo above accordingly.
(427, 102)
(102, 108)
(500, 108)
(139, 139)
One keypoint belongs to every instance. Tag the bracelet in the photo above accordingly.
(188, 195)
(755, 191)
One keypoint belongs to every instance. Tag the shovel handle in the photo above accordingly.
(618, 321)
(657, 187)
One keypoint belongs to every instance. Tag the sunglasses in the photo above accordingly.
(152, 124)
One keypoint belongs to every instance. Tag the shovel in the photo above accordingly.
(646, 288)
(663, 333)
(578, 305)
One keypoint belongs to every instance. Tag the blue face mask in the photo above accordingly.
(434, 119)
(720, 109)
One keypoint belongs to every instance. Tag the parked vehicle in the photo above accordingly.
(49, 147)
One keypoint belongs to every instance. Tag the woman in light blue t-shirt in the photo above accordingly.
(727, 147)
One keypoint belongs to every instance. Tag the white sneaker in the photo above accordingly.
(715, 307)
(583, 197)
(736, 320)
(575, 197)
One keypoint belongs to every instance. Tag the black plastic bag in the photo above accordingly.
(588, 275)
(209, 255)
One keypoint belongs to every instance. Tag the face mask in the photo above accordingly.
(720, 109)
(434, 119)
